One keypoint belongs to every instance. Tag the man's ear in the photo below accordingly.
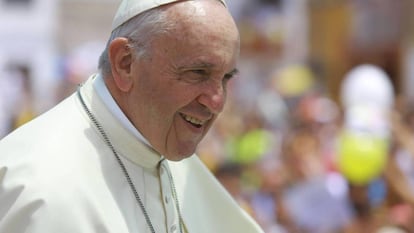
(120, 57)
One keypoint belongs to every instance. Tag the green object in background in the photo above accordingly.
(252, 146)
(362, 157)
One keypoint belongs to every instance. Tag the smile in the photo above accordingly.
(192, 120)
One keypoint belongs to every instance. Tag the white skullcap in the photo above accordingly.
(130, 8)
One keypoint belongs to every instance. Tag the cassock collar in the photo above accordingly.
(127, 142)
(108, 100)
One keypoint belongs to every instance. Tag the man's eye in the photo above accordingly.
(200, 72)
(227, 77)
(195, 76)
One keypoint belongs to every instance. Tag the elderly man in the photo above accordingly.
(117, 155)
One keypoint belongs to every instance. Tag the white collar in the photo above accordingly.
(108, 100)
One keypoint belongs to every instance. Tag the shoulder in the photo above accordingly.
(54, 195)
(53, 135)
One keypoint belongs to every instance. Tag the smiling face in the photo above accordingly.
(180, 88)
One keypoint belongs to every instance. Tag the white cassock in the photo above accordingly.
(57, 175)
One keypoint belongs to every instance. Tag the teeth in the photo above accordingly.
(193, 120)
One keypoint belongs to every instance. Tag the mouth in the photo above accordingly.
(193, 121)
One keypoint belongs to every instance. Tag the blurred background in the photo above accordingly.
(290, 146)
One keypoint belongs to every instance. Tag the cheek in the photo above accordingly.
(162, 109)
(179, 95)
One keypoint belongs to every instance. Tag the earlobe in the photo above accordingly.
(120, 56)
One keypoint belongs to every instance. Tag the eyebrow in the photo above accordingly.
(235, 71)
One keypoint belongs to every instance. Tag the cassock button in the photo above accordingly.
(167, 199)
(173, 228)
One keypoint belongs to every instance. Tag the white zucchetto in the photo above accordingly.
(130, 8)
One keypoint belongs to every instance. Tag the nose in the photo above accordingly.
(213, 97)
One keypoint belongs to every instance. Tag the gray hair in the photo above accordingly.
(140, 31)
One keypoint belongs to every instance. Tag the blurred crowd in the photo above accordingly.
(275, 149)
(279, 157)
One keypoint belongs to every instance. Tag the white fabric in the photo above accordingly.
(130, 8)
(58, 175)
(107, 99)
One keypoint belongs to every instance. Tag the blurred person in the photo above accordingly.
(229, 174)
(25, 110)
(394, 211)
(364, 218)
(76, 66)
(117, 155)
(403, 131)
(398, 173)
(314, 196)
(377, 209)
(9, 89)
(16, 97)
(321, 116)
(267, 201)
(400, 219)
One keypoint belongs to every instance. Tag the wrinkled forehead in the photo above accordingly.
(131, 8)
